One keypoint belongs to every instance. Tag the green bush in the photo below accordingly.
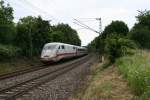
(136, 69)
(141, 36)
(8, 51)
(117, 46)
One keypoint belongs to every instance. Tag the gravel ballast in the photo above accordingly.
(24, 77)
(61, 87)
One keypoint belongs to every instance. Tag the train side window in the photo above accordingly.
(59, 47)
(63, 47)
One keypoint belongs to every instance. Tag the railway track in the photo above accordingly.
(24, 71)
(20, 72)
(11, 93)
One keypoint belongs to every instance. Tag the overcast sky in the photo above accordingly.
(66, 10)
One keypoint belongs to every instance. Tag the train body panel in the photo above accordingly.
(56, 51)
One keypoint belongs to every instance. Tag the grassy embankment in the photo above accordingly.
(129, 79)
(104, 84)
(136, 70)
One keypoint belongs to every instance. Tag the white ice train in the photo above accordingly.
(55, 51)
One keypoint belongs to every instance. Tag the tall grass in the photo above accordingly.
(136, 69)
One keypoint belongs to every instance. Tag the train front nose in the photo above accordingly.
(47, 55)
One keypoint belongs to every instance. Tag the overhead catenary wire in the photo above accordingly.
(20, 5)
(85, 26)
(87, 18)
(80, 28)
(39, 10)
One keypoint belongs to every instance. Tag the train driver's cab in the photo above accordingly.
(48, 51)
(61, 49)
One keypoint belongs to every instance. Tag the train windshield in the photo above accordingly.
(50, 47)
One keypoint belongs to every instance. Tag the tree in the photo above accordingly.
(140, 33)
(42, 34)
(116, 27)
(32, 34)
(113, 42)
(57, 36)
(141, 36)
(97, 45)
(66, 34)
(143, 19)
(117, 46)
(7, 27)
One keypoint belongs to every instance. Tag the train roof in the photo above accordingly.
(59, 43)
(54, 43)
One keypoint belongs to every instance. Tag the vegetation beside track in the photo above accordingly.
(127, 79)
(136, 69)
(118, 44)
(103, 84)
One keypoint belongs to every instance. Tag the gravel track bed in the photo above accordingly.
(61, 87)
(27, 76)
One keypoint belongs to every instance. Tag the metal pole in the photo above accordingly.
(100, 25)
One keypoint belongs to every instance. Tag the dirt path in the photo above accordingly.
(113, 85)
(105, 85)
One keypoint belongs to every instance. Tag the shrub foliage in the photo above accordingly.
(117, 46)
(8, 51)
(136, 69)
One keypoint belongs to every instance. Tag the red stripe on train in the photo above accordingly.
(65, 54)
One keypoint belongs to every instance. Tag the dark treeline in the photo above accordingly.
(27, 37)
(116, 40)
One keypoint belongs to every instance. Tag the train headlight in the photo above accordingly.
(46, 56)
